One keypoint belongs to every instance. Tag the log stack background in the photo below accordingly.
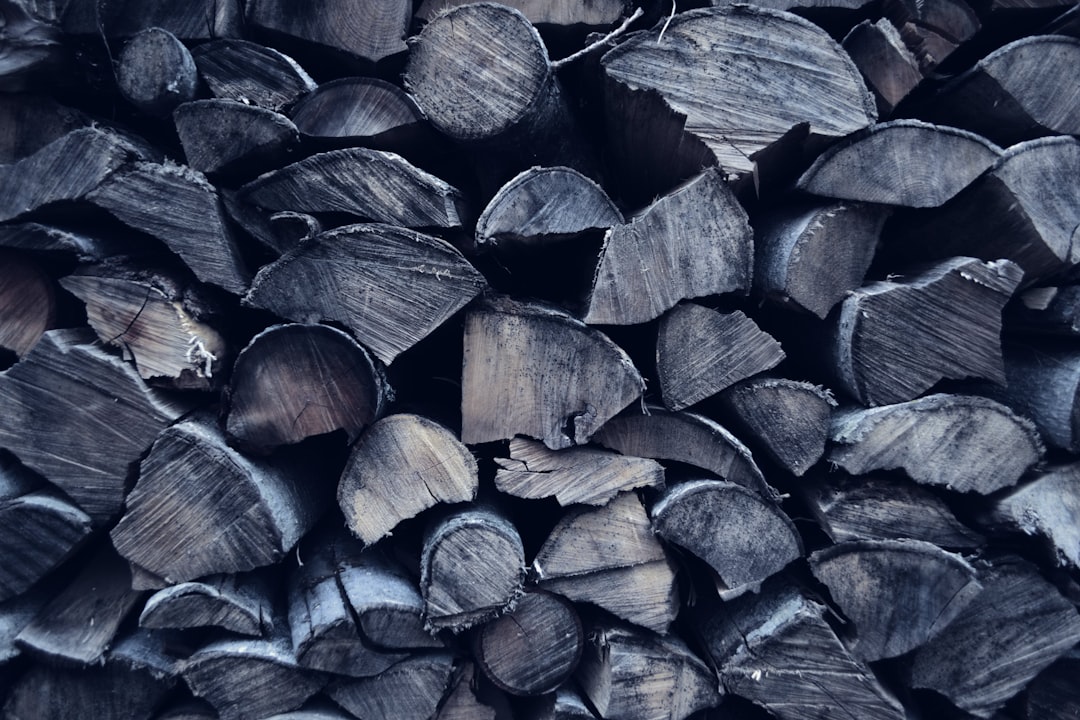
(388, 361)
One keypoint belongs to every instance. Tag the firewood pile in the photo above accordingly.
(547, 360)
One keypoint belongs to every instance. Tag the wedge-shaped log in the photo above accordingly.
(360, 110)
(882, 507)
(401, 466)
(250, 73)
(466, 700)
(903, 162)
(156, 72)
(367, 32)
(532, 370)
(1046, 507)
(890, 68)
(688, 438)
(390, 286)
(610, 557)
(1043, 383)
(200, 508)
(296, 381)
(471, 568)
(810, 257)
(238, 603)
(923, 586)
(221, 135)
(965, 443)
(632, 675)
(370, 184)
(700, 351)
(895, 340)
(386, 602)
(1018, 625)
(742, 536)
(693, 242)
(81, 417)
(776, 649)
(27, 302)
(576, 475)
(410, 690)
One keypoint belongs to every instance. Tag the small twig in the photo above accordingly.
(666, 23)
(602, 41)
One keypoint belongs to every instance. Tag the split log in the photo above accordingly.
(402, 465)
(903, 162)
(933, 30)
(883, 508)
(32, 45)
(361, 111)
(595, 15)
(386, 602)
(369, 184)
(775, 649)
(177, 205)
(1043, 383)
(27, 302)
(465, 701)
(199, 20)
(312, 711)
(742, 536)
(293, 382)
(200, 508)
(631, 675)
(563, 704)
(965, 443)
(890, 69)
(1046, 507)
(894, 340)
(693, 242)
(535, 371)
(250, 73)
(532, 649)
(687, 438)
(191, 709)
(83, 437)
(923, 587)
(221, 136)
(238, 603)
(78, 625)
(51, 241)
(390, 286)
(157, 322)
(788, 418)
(1052, 695)
(700, 352)
(1018, 92)
(471, 569)
(576, 475)
(1017, 626)
(1049, 310)
(156, 72)
(32, 122)
(733, 78)
(609, 557)
(410, 690)
(811, 257)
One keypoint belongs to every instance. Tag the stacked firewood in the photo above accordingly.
(539, 360)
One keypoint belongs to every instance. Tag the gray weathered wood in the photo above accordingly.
(33, 121)
(466, 701)
(189, 21)
(563, 704)
(390, 286)
(598, 14)
(250, 73)
(894, 339)
(1043, 383)
(238, 603)
(965, 443)
(50, 241)
(1045, 507)
(532, 370)
(410, 690)
(693, 242)
(401, 466)
(220, 135)
(15, 614)
(156, 72)
(889, 67)
(27, 302)
(386, 602)
(933, 30)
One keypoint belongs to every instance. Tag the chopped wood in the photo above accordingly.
(250, 73)
(471, 568)
(532, 370)
(32, 122)
(82, 436)
(370, 184)
(363, 111)
(297, 381)
(219, 135)
(238, 603)
(687, 438)
(933, 30)
(157, 323)
(1046, 507)
(390, 286)
(312, 711)
(192, 709)
(965, 443)
(563, 704)
(700, 351)
(464, 701)
(881, 507)
(903, 162)
(890, 69)
(410, 690)
(179, 207)
(812, 256)
(632, 675)
(736, 78)
(576, 475)
(598, 14)
(789, 419)
(692, 242)
(895, 339)
(15, 614)
(741, 535)
(402, 465)
(532, 649)
(201, 508)
(156, 72)
(1052, 694)
(386, 602)
(27, 302)
(1017, 626)
(610, 557)
(1043, 383)
(32, 46)
(189, 21)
